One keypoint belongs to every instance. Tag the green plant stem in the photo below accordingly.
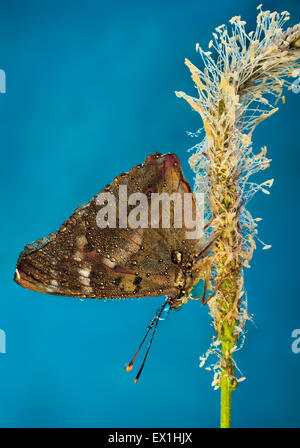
(226, 391)
(228, 382)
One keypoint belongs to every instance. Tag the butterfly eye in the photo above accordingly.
(176, 256)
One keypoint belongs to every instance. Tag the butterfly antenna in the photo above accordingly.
(154, 323)
(157, 317)
(129, 366)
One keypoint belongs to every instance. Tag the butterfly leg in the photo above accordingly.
(234, 271)
(202, 298)
(209, 224)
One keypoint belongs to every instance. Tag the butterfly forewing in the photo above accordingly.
(83, 260)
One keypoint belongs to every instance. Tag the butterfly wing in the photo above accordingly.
(83, 260)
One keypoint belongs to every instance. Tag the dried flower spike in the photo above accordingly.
(241, 82)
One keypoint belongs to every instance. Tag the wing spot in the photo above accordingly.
(50, 288)
(81, 241)
(108, 263)
(77, 256)
(117, 281)
(137, 281)
(84, 281)
(84, 272)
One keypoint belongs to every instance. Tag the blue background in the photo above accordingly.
(90, 93)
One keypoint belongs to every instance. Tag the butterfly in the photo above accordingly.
(83, 260)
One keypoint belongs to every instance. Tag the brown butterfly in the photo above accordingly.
(83, 260)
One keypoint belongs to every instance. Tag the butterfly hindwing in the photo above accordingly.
(83, 260)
